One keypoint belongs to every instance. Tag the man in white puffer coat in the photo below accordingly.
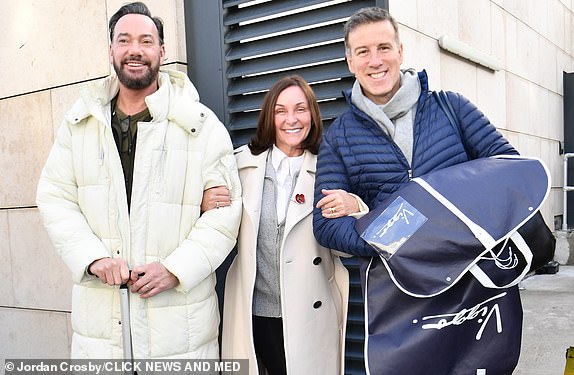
(109, 209)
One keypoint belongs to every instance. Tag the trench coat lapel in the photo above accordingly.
(304, 188)
(252, 174)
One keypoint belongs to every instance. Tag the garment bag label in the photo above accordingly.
(393, 227)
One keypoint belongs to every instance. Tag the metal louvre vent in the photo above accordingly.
(266, 40)
(236, 49)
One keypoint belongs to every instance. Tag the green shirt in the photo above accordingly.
(125, 132)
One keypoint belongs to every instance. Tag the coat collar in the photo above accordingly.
(175, 100)
(252, 172)
(245, 159)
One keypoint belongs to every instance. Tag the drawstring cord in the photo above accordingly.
(510, 262)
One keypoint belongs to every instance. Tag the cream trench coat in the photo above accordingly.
(82, 199)
(314, 283)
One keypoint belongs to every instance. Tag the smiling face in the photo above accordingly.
(375, 58)
(292, 118)
(135, 52)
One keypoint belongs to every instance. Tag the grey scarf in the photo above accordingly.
(396, 117)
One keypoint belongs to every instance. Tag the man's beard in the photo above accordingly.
(136, 83)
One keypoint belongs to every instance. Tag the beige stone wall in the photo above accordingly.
(533, 40)
(50, 48)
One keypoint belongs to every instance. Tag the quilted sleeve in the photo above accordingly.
(214, 234)
(480, 135)
(65, 222)
(338, 234)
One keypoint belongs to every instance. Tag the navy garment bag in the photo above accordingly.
(442, 297)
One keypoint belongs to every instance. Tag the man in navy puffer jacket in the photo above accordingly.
(393, 131)
(359, 155)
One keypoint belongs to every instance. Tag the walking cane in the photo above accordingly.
(126, 329)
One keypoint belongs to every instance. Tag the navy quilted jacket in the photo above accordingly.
(357, 156)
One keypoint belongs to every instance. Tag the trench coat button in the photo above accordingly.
(118, 252)
(193, 130)
(317, 261)
(317, 304)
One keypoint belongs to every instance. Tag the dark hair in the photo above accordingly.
(135, 8)
(265, 135)
(369, 15)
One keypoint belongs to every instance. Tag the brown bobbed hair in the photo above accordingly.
(265, 134)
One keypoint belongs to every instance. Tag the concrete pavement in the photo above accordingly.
(548, 329)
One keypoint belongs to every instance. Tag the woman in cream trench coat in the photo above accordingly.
(313, 281)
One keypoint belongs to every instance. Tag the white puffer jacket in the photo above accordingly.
(82, 200)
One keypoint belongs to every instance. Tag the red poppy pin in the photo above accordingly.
(300, 198)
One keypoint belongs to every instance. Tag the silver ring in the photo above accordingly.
(147, 287)
(217, 205)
